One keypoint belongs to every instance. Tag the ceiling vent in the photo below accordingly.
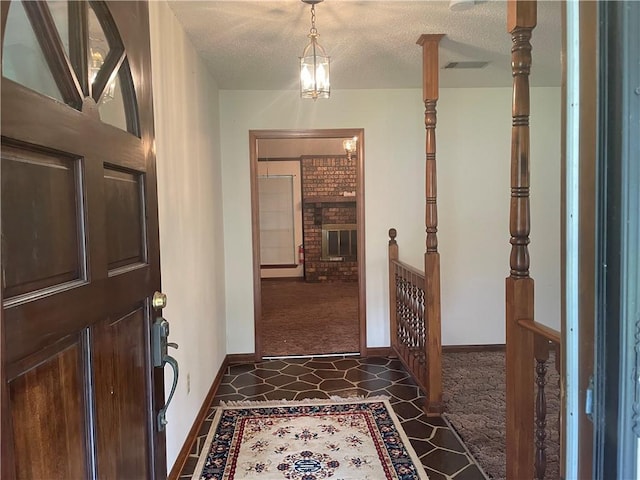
(466, 64)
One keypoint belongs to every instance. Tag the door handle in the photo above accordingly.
(162, 414)
(160, 353)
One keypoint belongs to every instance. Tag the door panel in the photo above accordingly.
(48, 417)
(42, 219)
(125, 220)
(120, 379)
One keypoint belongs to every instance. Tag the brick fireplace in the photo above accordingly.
(329, 212)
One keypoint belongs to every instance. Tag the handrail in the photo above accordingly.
(411, 269)
(537, 328)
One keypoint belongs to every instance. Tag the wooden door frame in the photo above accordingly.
(254, 136)
(579, 136)
(5, 462)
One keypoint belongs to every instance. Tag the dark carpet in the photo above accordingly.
(302, 318)
(474, 396)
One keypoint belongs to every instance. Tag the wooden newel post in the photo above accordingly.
(393, 311)
(430, 90)
(521, 20)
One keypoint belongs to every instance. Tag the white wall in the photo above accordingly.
(392, 155)
(473, 154)
(474, 142)
(546, 106)
(190, 210)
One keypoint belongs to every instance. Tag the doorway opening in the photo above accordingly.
(307, 199)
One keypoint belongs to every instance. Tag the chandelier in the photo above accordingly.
(314, 63)
(97, 60)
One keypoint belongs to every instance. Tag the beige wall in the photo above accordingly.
(190, 210)
(473, 154)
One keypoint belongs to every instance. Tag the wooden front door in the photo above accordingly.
(80, 255)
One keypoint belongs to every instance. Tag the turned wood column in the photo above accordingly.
(521, 20)
(433, 346)
(430, 90)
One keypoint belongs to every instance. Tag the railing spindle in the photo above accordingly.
(541, 357)
(541, 423)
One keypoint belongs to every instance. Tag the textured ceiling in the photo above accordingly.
(254, 45)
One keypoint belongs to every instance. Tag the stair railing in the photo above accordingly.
(544, 341)
(415, 339)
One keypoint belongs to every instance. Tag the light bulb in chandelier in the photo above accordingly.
(349, 145)
(97, 60)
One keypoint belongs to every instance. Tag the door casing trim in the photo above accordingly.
(254, 136)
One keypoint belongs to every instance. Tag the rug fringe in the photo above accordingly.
(314, 401)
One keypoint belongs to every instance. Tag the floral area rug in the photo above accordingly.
(337, 439)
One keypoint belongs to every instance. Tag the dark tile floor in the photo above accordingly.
(443, 455)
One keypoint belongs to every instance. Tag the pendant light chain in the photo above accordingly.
(313, 31)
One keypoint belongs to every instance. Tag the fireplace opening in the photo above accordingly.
(339, 242)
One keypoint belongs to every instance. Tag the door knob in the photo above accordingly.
(159, 301)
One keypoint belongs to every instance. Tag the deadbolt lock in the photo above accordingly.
(159, 301)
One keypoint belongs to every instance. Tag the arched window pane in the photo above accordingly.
(22, 58)
(98, 50)
(87, 41)
(60, 12)
(112, 104)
